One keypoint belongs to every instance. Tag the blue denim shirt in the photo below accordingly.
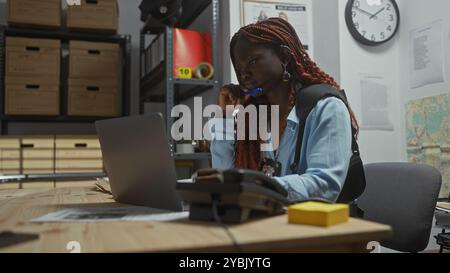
(325, 152)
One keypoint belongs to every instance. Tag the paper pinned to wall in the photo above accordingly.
(375, 103)
(427, 55)
(297, 13)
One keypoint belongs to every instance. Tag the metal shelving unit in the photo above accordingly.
(177, 90)
(65, 36)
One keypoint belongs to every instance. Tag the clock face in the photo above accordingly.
(372, 22)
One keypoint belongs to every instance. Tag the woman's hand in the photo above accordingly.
(230, 94)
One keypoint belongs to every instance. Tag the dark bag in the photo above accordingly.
(355, 182)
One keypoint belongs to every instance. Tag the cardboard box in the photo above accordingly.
(79, 164)
(37, 142)
(36, 13)
(93, 60)
(10, 165)
(77, 142)
(68, 147)
(78, 154)
(10, 148)
(27, 57)
(31, 96)
(10, 172)
(97, 98)
(38, 165)
(75, 154)
(98, 15)
(38, 154)
(9, 155)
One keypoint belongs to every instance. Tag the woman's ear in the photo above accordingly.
(286, 55)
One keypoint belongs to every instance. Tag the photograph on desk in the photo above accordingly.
(225, 126)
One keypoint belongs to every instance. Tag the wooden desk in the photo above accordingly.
(266, 235)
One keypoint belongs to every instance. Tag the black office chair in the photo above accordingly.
(404, 196)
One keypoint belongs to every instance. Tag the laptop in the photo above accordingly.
(137, 159)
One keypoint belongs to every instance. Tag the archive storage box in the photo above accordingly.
(45, 13)
(95, 15)
(26, 57)
(93, 97)
(38, 158)
(31, 96)
(75, 154)
(9, 155)
(93, 60)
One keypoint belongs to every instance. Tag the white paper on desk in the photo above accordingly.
(95, 214)
(427, 53)
(375, 103)
(189, 180)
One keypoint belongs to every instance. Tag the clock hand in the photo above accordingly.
(375, 15)
(365, 12)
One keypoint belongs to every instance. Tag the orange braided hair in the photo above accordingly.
(276, 32)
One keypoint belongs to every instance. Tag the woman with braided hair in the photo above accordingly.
(270, 56)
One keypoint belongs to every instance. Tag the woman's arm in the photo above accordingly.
(222, 142)
(222, 129)
(328, 152)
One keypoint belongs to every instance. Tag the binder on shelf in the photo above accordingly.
(190, 48)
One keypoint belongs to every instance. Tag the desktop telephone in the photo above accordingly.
(236, 193)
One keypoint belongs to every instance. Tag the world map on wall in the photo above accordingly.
(428, 135)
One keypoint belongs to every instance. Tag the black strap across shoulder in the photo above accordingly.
(307, 98)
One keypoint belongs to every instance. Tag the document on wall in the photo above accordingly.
(427, 55)
(297, 13)
(375, 103)
(106, 214)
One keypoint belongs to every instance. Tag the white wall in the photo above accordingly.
(415, 17)
(376, 146)
(232, 17)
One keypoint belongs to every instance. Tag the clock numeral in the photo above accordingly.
(389, 28)
(388, 7)
(364, 33)
(391, 17)
(382, 36)
(353, 14)
(356, 24)
(373, 38)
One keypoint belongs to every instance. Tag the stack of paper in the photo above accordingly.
(102, 185)
(443, 206)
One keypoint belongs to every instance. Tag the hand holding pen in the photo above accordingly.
(234, 95)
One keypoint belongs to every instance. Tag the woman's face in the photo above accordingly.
(257, 65)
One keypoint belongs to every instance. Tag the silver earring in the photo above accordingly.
(286, 75)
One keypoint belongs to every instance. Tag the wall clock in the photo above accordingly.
(372, 22)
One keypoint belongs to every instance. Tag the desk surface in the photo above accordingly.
(272, 234)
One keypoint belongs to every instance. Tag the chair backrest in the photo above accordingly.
(404, 196)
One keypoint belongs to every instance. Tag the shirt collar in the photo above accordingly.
(293, 115)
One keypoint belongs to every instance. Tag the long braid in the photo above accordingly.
(276, 32)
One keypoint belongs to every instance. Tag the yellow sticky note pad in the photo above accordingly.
(318, 214)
